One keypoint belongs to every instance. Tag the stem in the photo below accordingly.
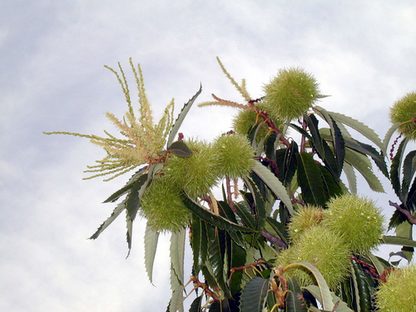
(274, 239)
(405, 212)
(229, 194)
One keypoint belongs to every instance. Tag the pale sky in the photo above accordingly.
(52, 78)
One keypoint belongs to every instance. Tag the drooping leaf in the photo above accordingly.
(401, 241)
(274, 184)
(212, 218)
(388, 136)
(136, 180)
(351, 177)
(116, 212)
(286, 162)
(395, 168)
(254, 295)
(177, 254)
(363, 165)
(363, 290)
(310, 181)
(294, 301)
(409, 170)
(196, 236)
(181, 117)
(354, 124)
(325, 293)
(340, 306)
(196, 305)
(180, 149)
(151, 238)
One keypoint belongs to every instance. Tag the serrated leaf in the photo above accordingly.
(246, 217)
(116, 212)
(196, 236)
(351, 177)
(310, 181)
(151, 238)
(177, 254)
(363, 165)
(294, 301)
(411, 197)
(354, 124)
(388, 136)
(340, 306)
(254, 294)
(363, 290)
(237, 259)
(286, 162)
(212, 218)
(395, 168)
(180, 149)
(409, 170)
(274, 184)
(137, 179)
(196, 305)
(216, 257)
(181, 117)
(325, 293)
(401, 241)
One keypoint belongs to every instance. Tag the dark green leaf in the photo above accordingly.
(310, 181)
(216, 256)
(401, 241)
(116, 212)
(363, 290)
(332, 187)
(409, 169)
(151, 238)
(395, 168)
(294, 301)
(181, 117)
(279, 229)
(136, 180)
(244, 213)
(396, 219)
(254, 295)
(196, 305)
(212, 218)
(196, 236)
(238, 259)
(411, 197)
(180, 149)
(286, 162)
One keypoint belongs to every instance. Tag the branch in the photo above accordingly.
(405, 212)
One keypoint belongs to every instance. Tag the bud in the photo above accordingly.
(196, 175)
(403, 112)
(398, 293)
(290, 94)
(234, 155)
(162, 206)
(323, 248)
(305, 218)
(357, 219)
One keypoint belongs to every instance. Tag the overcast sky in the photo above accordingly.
(52, 78)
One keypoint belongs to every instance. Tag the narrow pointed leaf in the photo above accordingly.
(340, 306)
(181, 117)
(254, 295)
(274, 184)
(116, 212)
(310, 181)
(351, 178)
(212, 218)
(409, 170)
(395, 168)
(356, 125)
(136, 180)
(388, 136)
(401, 241)
(363, 289)
(363, 165)
(196, 305)
(177, 254)
(294, 301)
(151, 238)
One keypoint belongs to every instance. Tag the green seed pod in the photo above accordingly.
(398, 293)
(403, 112)
(357, 219)
(324, 249)
(196, 175)
(305, 218)
(290, 94)
(163, 207)
(234, 156)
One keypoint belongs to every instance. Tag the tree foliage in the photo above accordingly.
(235, 199)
